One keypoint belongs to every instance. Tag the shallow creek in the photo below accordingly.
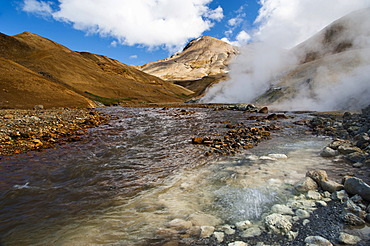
(128, 178)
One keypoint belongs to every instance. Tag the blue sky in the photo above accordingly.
(227, 18)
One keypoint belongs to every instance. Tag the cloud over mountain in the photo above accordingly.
(152, 23)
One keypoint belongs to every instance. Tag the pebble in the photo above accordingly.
(228, 230)
(302, 214)
(313, 195)
(243, 224)
(251, 232)
(238, 243)
(219, 236)
(206, 231)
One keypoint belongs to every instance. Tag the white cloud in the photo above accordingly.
(216, 14)
(241, 39)
(133, 57)
(151, 23)
(38, 7)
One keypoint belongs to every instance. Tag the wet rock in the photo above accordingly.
(357, 186)
(197, 140)
(263, 110)
(278, 156)
(358, 165)
(266, 158)
(362, 140)
(329, 152)
(238, 243)
(219, 236)
(318, 175)
(352, 219)
(356, 157)
(282, 209)
(367, 218)
(317, 241)
(340, 195)
(251, 232)
(345, 150)
(204, 220)
(179, 224)
(206, 231)
(346, 238)
(305, 185)
(243, 224)
(277, 223)
(331, 186)
(272, 117)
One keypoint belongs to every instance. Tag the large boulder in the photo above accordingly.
(356, 186)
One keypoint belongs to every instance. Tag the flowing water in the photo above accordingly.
(129, 177)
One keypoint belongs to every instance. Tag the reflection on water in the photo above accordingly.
(133, 175)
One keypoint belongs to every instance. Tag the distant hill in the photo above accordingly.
(74, 78)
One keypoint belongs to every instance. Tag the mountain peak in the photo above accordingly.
(201, 57)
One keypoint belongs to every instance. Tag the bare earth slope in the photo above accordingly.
(86, 74)
(23, 88)
(204, 56)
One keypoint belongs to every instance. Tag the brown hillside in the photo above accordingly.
(23, 88)
(200, 86)
(87, 74)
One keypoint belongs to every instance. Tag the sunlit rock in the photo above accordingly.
(305, 185)
(346, 238)
(278, 223)
(317, 241)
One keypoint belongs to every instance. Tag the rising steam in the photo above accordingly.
(329, 71)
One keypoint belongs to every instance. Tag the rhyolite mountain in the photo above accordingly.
(203, 62)
(201, 57)
(332, 70)
(35, 70)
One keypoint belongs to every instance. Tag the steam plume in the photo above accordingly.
(329, 71)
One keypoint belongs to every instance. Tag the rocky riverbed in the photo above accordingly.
(321, 212)
(26, 130)
(323, 208)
